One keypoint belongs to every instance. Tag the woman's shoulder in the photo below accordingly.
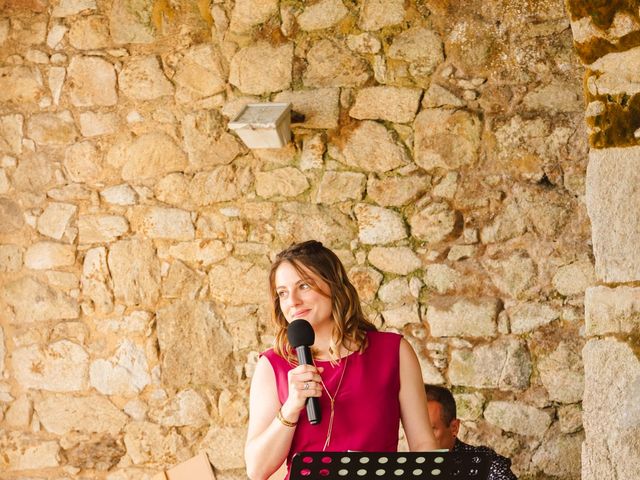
(275, 359)
(383, 339)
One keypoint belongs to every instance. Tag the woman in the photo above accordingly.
(366, 381)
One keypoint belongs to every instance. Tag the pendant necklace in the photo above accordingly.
(332, 399)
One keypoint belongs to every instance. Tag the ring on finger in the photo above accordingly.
(306, 385)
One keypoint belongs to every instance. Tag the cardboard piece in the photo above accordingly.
(196, 468)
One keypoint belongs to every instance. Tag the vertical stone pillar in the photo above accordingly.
(607, 40)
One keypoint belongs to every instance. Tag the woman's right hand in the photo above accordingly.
(304, 382)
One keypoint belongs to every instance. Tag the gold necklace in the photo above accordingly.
(332, 399)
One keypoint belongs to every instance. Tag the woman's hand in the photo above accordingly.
(304, 382)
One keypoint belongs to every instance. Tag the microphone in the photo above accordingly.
(301, 336)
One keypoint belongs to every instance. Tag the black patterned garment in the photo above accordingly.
(500, 468)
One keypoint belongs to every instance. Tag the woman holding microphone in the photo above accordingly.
(366, 381)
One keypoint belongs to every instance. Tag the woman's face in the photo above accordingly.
(308, 298)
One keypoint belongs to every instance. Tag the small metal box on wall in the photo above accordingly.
(263, 125)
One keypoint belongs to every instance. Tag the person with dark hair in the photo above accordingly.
(445, 424)
(366, 381)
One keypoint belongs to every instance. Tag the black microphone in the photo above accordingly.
(301, 336)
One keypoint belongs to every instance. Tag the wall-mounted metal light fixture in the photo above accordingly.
(263, 125)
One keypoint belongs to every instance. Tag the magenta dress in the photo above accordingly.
(367, 406)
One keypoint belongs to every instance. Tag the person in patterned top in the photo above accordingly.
(445, 424)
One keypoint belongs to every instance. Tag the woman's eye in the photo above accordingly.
(282, 294)
(304, 286)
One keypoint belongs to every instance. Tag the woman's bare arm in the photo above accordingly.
(413, 402)
(268, 439)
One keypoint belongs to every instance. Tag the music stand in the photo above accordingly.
(434, 465)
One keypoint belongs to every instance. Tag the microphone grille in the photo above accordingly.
(300, 332)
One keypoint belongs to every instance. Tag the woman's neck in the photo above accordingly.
(321, 351)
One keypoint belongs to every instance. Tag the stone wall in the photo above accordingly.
(442, 155)
(607, 39)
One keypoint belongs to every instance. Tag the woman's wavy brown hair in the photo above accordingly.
(350, 326)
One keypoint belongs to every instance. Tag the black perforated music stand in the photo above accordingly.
(389, 466)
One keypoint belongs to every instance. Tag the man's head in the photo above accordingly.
(442, 413)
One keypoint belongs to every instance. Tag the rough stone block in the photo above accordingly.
(379, 226)
(130, 21)
(574, 278)
(282, 182)
(394, 104)
(188, 356)
(401, 316)
(20, 84)
(11, 133)
(150, 156)
(399, 260)
(321, 15)
(518, 418)
(377, 14)
(528, 316)
(52, 128)
(34, 301)
(371, 147)
(297, 221)
(504, 363)
(148, 442)
(68, 8)
(89, 33)
(93, 124)
(143, 79)
(10, 258)
(101, 228)
(222, 184)
(464, 317)
(92, 82)
(62, 414)
(320, 107)
(135, 271)
(125, 374)
(340, 186)
(261, 69)
(200, 73)
(562, 373)
(238, 282)
(59, 367)
(27, 452)
(435, 222)
(165, 223)
(187, 408)
(49, 255)
(367, 281)
(559, 455)
(224, 446)
(612, 199)
(446, 138)
(513, 274)
(55, 219)
(419, 46)
(611, 310)
(611, 410)
(330, 64)
(397, 191)
(247, 13)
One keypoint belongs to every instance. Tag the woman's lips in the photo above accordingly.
(300, 313)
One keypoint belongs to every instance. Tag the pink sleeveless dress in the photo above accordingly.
(367, 407)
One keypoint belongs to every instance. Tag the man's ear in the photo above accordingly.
(455, 426)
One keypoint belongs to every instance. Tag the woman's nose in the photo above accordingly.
(294, 298)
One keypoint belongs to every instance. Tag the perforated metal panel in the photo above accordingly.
(389, 466)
